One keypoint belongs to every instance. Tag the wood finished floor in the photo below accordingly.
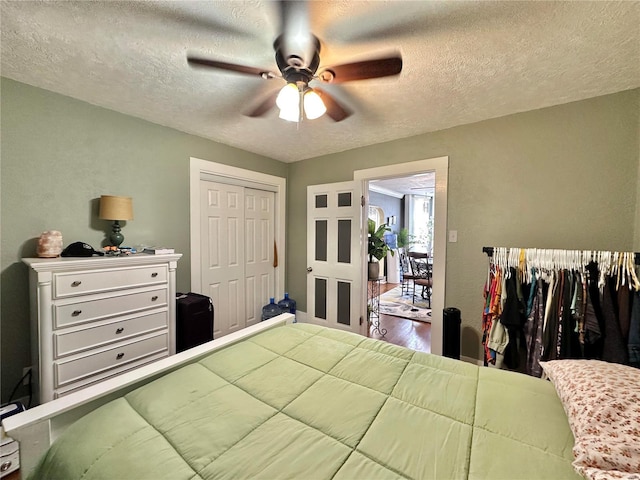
(403, 331)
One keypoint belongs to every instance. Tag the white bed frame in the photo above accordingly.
(36, 428)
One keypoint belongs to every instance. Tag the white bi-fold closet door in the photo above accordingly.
(237, 252)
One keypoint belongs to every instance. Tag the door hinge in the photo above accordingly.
(362, 201)
(360, 319)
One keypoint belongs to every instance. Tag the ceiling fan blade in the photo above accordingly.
(263, 107)
(204, 62)
(334, 109)
(381, 67)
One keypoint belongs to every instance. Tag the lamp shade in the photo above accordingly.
(313, 106)
(288, 101)
(116, 208)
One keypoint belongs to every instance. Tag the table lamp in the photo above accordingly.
(116, 209)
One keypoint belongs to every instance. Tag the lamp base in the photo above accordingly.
(116, 237)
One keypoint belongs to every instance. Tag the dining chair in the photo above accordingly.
(407, 274)
(422, 276)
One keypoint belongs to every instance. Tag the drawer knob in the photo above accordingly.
(119, 356)
(154, 298)
(5, 466)
(119, 330)
(77, 283)
(154, 274)
(75, 313)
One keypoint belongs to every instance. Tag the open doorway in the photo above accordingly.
(407, 205)
(403, 307)
(426, 209)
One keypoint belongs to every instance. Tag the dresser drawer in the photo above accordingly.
(83, 282)
(107, 359)
(107, 374)
(67, 314)
(93, 337)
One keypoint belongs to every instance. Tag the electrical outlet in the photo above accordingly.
(27, 378)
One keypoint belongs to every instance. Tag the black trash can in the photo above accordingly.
(194, 320)
(451, 333)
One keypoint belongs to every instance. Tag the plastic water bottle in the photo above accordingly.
(271, 310)
(288, 305)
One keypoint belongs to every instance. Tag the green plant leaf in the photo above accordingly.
(377, 248)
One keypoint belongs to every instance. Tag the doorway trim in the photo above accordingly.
(439, 165)
(204, 169)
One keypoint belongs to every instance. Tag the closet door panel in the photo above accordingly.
(223, 254)
(259, 248)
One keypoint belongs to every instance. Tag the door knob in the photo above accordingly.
(309, 269)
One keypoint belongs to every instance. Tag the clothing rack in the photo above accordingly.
(489, 252)
(550, 304)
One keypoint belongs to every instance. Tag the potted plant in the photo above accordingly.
(405, 239)
(377, 248)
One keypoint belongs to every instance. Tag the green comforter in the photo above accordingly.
(307, 402)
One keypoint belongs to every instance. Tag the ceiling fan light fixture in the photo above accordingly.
(288, 101)
(289, 97)
(313, 105)
(290, 114)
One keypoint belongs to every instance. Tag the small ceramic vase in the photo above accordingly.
(50, 244)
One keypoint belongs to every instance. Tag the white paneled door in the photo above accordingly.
(334, 256)
(259, 237)
(237, 227)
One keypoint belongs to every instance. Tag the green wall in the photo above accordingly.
(559, 177)
(58, 156)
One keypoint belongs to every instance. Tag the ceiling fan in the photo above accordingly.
(297, 53)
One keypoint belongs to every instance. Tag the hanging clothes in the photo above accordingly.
(614, 349)
(550, 327)
(533, 328)
(513, 319)
(594, 320)
(545, 305)
(625, 303)
(494, 334)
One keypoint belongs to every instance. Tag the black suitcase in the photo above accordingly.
(194, 320)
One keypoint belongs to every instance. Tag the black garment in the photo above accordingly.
(569, 342)
(625, 302)
(564, 304)
(594, 320)
(550, 333)
(615, 348)
(513, 319)
(533, 328)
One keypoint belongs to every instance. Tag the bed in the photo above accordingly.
(302, 401)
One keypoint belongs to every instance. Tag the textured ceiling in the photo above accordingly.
(419, 184)
(463, 62)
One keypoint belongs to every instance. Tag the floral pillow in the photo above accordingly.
(602, 402)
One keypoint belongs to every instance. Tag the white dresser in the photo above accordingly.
(93, 318)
